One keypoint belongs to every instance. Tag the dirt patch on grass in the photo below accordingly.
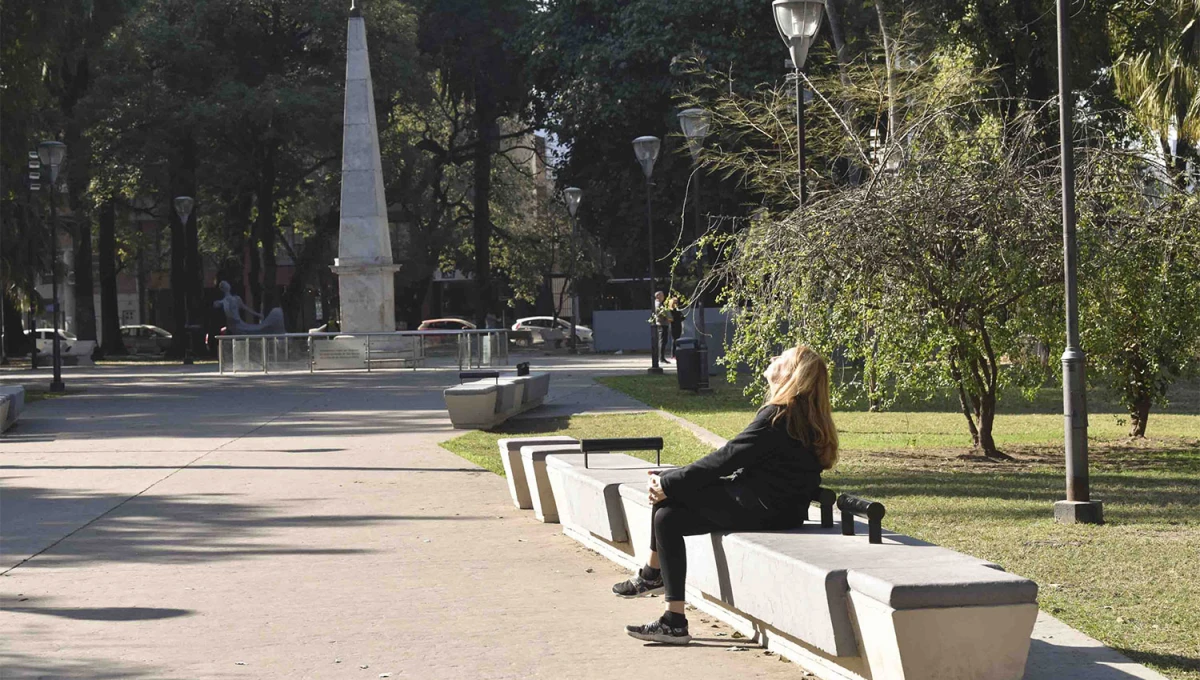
(1170, 454)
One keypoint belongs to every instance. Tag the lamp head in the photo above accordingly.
(572, 195)
(695, 124)
(646, 150)
(183, 207)
(52, 153)
(798, 22)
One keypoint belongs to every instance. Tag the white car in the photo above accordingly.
(44, 338)
(551, 329)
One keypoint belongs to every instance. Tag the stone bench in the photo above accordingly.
(902, 609)
(12, 402)
(485, 403)
(589, 501)
(514, 468)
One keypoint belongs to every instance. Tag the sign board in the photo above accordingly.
(339, 352)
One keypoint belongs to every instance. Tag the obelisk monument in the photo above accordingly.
(366, 285)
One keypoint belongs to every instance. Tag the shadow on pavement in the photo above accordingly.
(1097, 663)
(159, 529)
(23, 666)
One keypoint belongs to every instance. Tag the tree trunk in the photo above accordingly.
(485, 122)
(78, 178)
(964, 401)
(1139, 414)
(266, 230)
(14, 333)
(837, 33)
(191, 237)
(987, 417)
(1139, 395)
(890, 68)
(110, 314)
(312, 257)
(253, 266)
(179, 284)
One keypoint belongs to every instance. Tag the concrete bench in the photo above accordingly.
(589, 499)
(12, 402)
(485, 403)
(901, 609)
(514, 469)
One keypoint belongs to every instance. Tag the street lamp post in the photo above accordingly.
(798, 22)
(183, 208)
(646, 150)
(695, 124)
(51, 154)
(1078, 508)
(573, 195)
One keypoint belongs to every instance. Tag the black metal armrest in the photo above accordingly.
(478, 375)
(826, 498)
(873, 511)
(609, 445)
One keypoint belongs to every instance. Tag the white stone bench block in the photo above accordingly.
(537, 386)
(12, 402)
(943, 619)
(473, 405)
(589, 499)
(512, 393)
(533, 460)
(514, 471)
(944, 643)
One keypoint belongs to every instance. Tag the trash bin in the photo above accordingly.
(687, 364)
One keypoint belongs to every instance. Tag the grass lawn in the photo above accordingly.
(1133, 583)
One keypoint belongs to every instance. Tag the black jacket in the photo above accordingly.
(767, 470)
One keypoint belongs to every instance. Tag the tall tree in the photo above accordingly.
(1158, 74)
(473, 45)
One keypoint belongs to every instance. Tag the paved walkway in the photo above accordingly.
(172, 523)
(168, 525)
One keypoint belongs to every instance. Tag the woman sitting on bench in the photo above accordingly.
(764, 478)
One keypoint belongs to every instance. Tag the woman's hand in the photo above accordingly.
(657, 495)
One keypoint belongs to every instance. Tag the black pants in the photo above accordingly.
(711, 509)
(664, 341)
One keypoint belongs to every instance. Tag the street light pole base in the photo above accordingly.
(1079, 512)
(654, 370)
(57, 386)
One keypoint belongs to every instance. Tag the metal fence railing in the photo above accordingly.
(289, 352)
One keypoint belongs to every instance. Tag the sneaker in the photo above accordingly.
(638, 587)
(659, 630)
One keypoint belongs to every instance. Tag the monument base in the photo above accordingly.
(368, 297)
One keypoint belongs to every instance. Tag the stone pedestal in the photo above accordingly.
(364, 268)
(368, 297)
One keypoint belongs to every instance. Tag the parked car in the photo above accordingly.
(145, 339)
(553, 330)
(445, 324)
(44, 339)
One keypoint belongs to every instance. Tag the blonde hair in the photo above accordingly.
(801, 390)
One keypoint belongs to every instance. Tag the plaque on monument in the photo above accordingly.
(343, 351)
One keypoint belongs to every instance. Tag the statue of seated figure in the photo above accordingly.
(232, 305)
